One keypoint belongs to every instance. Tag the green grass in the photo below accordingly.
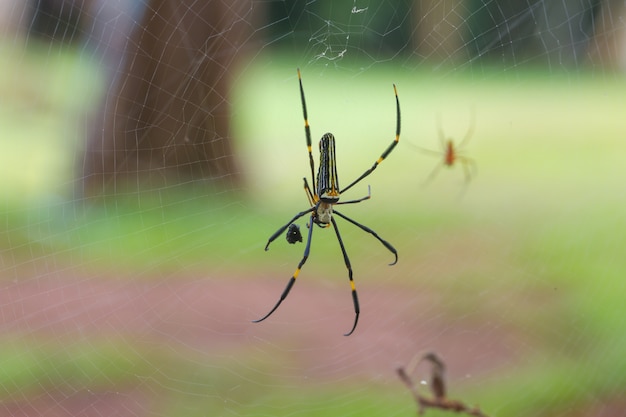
(140, 234)
(537, 235)
(29, 365)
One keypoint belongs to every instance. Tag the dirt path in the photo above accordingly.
(212, 317)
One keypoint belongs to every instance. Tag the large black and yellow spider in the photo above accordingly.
(324, 195)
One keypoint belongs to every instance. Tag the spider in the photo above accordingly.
(452, 153)
(323, 196)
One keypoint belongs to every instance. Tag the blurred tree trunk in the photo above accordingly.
(165, 117)
(503, 31)
(438, 36)
(608, 48)
(12, 21)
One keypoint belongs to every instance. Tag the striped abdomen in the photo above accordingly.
(327, 181)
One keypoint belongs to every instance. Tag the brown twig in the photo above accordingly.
(439, 399)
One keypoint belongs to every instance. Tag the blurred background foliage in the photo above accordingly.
(515, 278)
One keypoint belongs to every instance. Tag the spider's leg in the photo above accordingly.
(440, 134)
(307, 130)
(424, 150)
(470, 129)
(367, 197)
(389, 148)
(355, 298)
(467, 165)
(373, 233)
(292, 280)
(284, 227)
(432, 174)
(309, 194)
(472, 167)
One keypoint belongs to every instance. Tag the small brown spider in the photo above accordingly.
(452, 154)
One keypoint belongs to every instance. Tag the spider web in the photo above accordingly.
(136, 207)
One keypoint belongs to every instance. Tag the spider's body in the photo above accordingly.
(327, 182)
(449, 155)
(323, 214)
(325, 196)
(327, 178)
(453, 154)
